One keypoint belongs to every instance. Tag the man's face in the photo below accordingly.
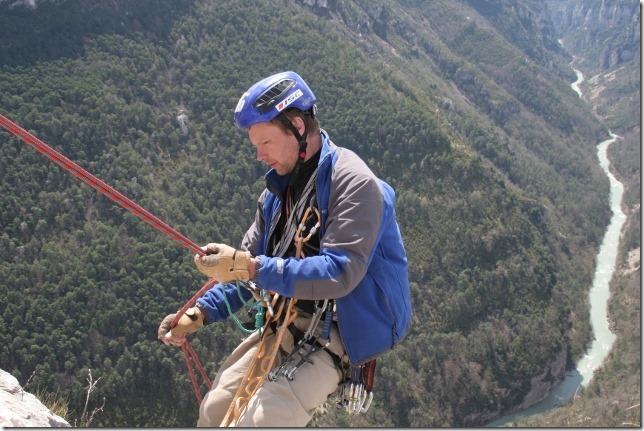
(275, 147)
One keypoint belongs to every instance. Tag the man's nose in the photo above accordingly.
(261, 156)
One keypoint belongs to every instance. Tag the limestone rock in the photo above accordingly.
(22, 409)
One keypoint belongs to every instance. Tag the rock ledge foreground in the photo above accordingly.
(22, 409)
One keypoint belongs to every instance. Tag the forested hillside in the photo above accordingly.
(500, 200)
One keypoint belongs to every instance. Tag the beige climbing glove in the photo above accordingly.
(192, 320)
(224, 263)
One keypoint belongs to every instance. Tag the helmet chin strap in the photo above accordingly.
(301, 139)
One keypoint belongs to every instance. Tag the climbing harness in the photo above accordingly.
(307, 345)
(135, 209)
(261, 367)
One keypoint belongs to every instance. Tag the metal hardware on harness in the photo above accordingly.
(356, 392)
(299, 238)
(262, 361)
(308, 344)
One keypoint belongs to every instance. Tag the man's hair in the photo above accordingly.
(312, 124)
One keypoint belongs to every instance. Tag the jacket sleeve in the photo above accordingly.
(352, 228)
(219, 307)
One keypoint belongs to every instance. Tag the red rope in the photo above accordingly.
(188, 351)
(99, 185)
(133, 208)
(192, 359)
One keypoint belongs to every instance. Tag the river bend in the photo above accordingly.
(599, 295)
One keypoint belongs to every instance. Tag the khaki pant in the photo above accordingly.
(279, 403)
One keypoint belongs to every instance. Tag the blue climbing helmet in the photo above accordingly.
(267, 98)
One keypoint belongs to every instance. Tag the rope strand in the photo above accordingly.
(134, 209)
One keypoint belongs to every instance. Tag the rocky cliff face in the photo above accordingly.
(22, 409)
(593, 15)
(526, 24)
(589, 26)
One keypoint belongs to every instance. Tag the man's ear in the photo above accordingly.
(298, 122)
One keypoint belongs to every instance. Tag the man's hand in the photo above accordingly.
(224, 263)
(187, 324)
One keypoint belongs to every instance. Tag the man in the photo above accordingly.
(324, 257)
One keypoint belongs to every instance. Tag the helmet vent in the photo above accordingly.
(273, 95)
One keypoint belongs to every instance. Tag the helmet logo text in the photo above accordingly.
(290, 99)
